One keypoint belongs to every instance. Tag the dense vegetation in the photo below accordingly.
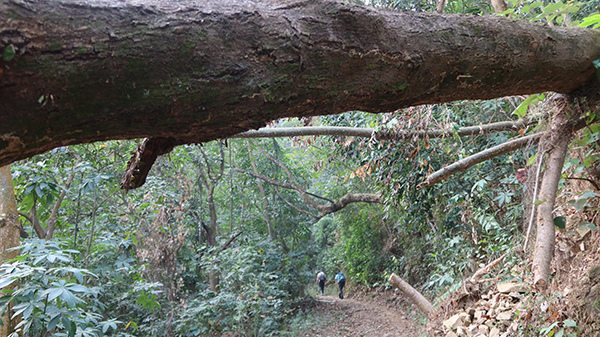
(138, 263)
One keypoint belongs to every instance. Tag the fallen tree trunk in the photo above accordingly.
(419, 300)
(76, 71)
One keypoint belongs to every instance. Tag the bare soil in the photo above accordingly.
(361, 316)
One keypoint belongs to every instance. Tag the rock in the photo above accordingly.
(594, 272)
(455, 321)
(472, 329)
(509, 287)
(515, 295)
(451, 334)
(505, 316)
(484, 330)
(495, 332)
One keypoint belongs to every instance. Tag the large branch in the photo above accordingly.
(198, 70)
(477, 158)
(415, 297)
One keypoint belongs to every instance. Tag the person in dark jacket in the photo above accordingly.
(321, 277)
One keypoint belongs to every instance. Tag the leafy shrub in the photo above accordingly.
(52, 298)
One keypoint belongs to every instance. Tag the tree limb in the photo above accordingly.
(142, 160)
(477, 158)
(417, 299)
(384, 134)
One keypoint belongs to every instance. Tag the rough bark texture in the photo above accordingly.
(9, 236)
(419, 300)
(194, 71)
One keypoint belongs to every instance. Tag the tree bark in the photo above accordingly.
(194, 71)
(9, 238)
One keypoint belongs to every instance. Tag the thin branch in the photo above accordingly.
(228, 243)
(588, 180)
(294, 206)
(265, 211)
(52, 219)
(348, 199)
(439, 8)
(534, 198)
(385, 134)
(477, 158)
(26, 216)
(476, 278)
(269, 180)
(334, 206)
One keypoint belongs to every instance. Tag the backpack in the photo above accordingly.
(322, 277)
(341, 277)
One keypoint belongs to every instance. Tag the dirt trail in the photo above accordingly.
(353, 317)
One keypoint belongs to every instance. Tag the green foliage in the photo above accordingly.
(555, 13)
(559, 329)
(9, 53)
(52, 297)
(253, 295)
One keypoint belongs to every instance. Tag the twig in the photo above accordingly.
(586, 179)
(533, 206)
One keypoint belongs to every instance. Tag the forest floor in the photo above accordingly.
(359, 314)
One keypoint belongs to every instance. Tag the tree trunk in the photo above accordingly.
(9, 237)
(77, 71)
(266, 212)
(556, 144)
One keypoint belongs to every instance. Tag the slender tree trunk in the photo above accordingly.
(51, 223)
(556, 144)
(266, 213)
(9, 237)
(209, 180)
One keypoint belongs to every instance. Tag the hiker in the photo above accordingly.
(341, 281)
(321, 277)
